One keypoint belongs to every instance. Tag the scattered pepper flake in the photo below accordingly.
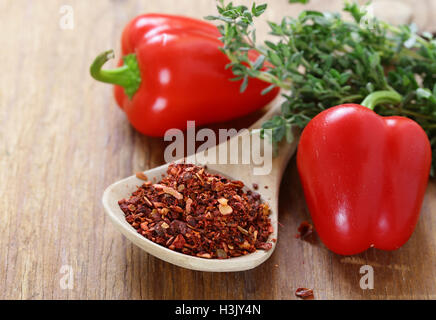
(225, 209)
(221, 254)
(169, 190)
(223, 201)
(188, 205)
(266, 209)
(243, 230)
(148, 201)
(305, 230)
(142, 176)
(179, 241)
(304, 293)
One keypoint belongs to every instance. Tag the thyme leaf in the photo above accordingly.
(323, 60)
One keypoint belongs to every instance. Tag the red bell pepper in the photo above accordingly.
(364, 177)
(172, 71)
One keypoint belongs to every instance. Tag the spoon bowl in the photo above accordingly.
(268, 188)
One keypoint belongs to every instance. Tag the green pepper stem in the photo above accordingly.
(383, 96)
(128, 75)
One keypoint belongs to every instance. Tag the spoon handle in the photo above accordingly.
(248, 145)
(285, 149)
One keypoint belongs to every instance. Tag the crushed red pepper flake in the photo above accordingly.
(305, 230)
(304, 293)
(200, 214)
(141, 175)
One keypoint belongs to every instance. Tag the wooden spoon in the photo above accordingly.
(268, 188)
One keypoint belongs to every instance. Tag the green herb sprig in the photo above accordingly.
(323, 60)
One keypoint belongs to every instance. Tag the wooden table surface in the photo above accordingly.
(63, 141)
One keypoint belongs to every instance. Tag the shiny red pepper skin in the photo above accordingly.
(183, 76)
(364, 177)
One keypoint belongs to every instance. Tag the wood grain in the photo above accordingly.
(63, 141)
